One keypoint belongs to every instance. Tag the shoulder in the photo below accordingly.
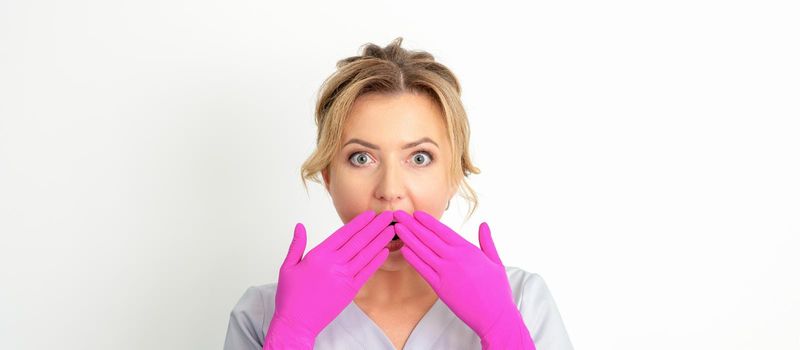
(250, 317)
(256, 298)
(524, 284)
(531, 292)
(538, 309)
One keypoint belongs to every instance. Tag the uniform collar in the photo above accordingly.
(363, 329)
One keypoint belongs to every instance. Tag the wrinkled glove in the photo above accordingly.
(472, 282)
(311, 292)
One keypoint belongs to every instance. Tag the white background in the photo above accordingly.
(643, 157)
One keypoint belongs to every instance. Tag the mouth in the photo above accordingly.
(395, 235)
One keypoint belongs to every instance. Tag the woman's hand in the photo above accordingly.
(311, 292)
(472, 282)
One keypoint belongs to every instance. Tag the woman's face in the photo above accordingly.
(395, 156)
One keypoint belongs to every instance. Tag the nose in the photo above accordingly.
(390, 186)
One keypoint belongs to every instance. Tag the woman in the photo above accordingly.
(392, 148)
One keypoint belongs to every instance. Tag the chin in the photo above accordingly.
(394, 262)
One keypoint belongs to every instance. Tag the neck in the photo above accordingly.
(398, 286)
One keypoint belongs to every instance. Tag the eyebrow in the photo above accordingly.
(408, 145)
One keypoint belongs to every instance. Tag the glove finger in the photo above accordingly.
(364, 256)
(443, 231)
(487, 244)
(427, 272)
(340, 236)
(430, 239)
(297, 247)
(411, 241)
(373, 266)
(360, 239)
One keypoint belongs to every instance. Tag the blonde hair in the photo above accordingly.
(391, 69)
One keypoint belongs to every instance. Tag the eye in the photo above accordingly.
(360, 157)
(420, 159)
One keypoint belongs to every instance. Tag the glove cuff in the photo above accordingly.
(509, 332)
(285, 333)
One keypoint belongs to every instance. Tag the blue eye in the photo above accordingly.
(418, 157)
(360, 156)
(361, 159)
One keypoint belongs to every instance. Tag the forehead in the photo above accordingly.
(385, 118)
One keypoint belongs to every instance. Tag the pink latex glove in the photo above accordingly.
(472, 282)
(311, 292)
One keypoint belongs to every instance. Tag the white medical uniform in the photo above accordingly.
(438, 329)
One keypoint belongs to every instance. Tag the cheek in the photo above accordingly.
(350, 193)
(428, 193)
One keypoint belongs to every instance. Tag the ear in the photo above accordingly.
(327, 178)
